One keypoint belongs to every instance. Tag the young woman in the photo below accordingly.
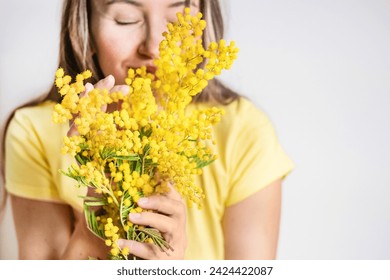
(241, 213)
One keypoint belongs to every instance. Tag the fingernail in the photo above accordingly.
(143, 200)
(88, 87)
(134, 216)
(126, 89)
(120, 243)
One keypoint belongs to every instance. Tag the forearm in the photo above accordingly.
(43, 229)
(47, 231)
(83, 244)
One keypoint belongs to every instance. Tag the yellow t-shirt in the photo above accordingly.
(249, 158)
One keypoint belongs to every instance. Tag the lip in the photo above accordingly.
(151, 69)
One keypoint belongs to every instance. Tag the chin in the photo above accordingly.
(120, 79)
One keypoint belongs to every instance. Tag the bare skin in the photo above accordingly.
(48, 230)
(257, 219)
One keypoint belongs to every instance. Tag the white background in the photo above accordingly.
(319, 68)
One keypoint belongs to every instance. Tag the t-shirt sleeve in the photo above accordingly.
(27, 170)
(257, 159)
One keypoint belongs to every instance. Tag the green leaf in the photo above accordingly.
(92, 222)
(123, 209)
(130, 233)
(80, 159)
(80, 179)
(90, 198)
(95, 203)
(107, 152)
(145, 132)
(146, 150)
(201, 164)
(157, 238)
(138, 167)
(133, 157)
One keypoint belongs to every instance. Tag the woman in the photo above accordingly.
(240, 218)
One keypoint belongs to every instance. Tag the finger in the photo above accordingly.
(72, 127)
(163, 204)
(162, 223)
(88, 88)
(173, 193)
(91, 191)
(146, 251)
(72, 130)
(122, 88)
(106, 83)
(125, 89)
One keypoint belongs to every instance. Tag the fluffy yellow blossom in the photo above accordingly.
(151, 139)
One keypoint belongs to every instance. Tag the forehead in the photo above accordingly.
(140, 3)
(138, 7)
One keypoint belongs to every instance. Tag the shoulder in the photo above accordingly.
(31, 113)
(242, 120)
(244, 109)
(38, 116)
(245, 120)
(249, 149)
(33, 122)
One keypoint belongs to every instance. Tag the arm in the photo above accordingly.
(48, 230)
(251, 227)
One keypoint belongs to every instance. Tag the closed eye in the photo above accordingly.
(124, 22)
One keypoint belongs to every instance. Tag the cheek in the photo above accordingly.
(107, 48)
(113, 51)
(108, 56)
(107, 39)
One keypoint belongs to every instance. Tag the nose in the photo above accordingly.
(149, 47)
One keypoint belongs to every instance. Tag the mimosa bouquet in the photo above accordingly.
(151, 140)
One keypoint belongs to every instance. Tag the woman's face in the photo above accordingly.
(126, 33)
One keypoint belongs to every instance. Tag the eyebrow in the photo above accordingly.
(177, 4)
(186, 3)
(135, 3)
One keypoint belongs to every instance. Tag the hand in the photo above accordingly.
(169, 217)
(83, 244)
(106, 83)
(109, 84)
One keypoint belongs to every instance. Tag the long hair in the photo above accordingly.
(76, 55)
